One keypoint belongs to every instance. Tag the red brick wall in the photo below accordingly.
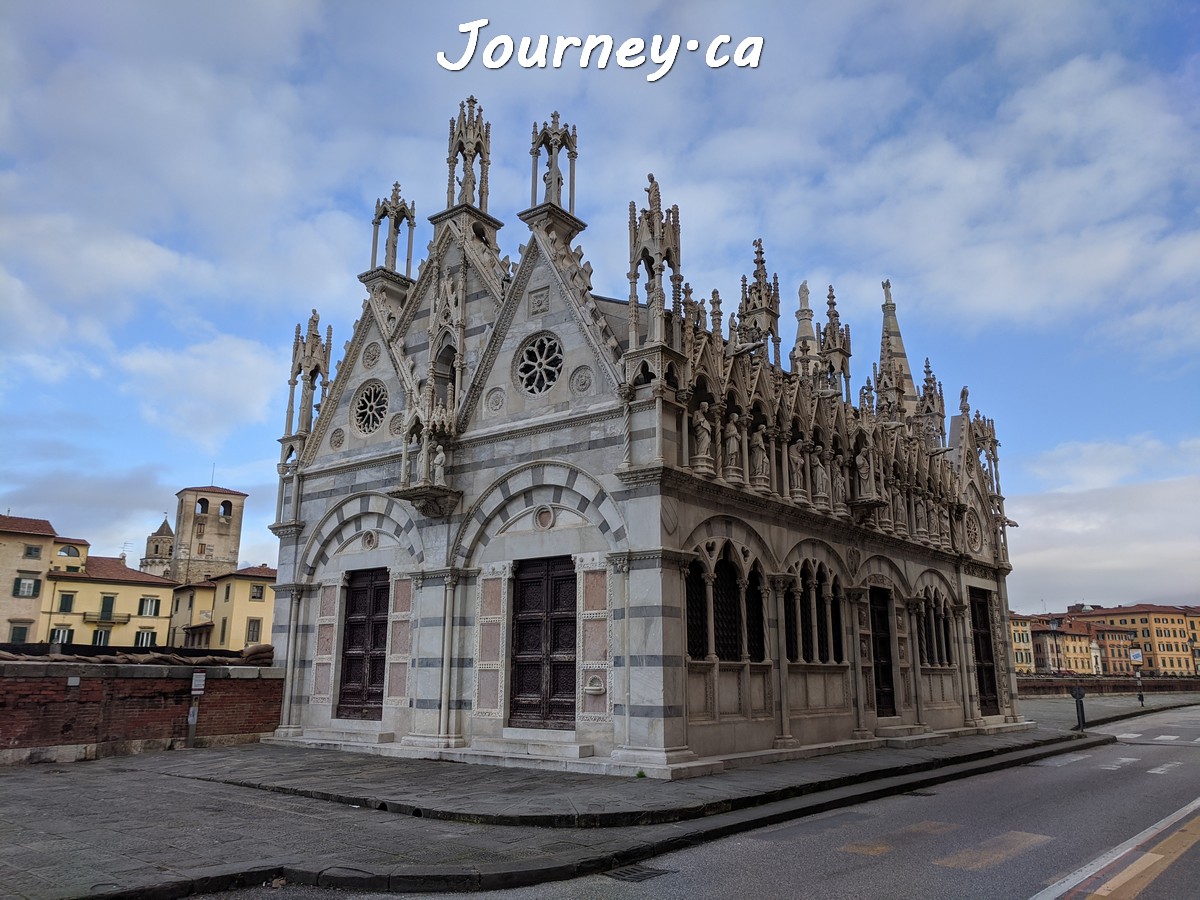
(40, 708)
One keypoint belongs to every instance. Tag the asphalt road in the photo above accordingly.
(1121, 820)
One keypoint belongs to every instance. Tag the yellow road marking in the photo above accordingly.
(1138, 876)
(1136, 868)
(993, 851)
(898, 837)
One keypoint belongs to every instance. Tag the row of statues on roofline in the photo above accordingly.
(826, 479)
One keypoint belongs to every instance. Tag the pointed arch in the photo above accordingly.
(709, 537)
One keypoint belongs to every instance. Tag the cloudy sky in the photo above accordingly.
(180, 183)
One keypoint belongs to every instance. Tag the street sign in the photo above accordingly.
(197, 684)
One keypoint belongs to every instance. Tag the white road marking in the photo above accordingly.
(1128, 737)
(1167, 737)
(1122, 761)
(1082, 874)
(1064, 760)
(1164, 768)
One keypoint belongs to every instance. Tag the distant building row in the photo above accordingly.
(188, 590)
(1086, 640)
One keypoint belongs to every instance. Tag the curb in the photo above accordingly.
(822, 797)
(625, 818)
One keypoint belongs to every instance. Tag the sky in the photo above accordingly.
(181, 183)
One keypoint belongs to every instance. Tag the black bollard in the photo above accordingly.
(1077, 693)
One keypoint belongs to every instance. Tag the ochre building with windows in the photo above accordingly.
(1167, 635)
(539, 525)
(231, 611)
(105, 603)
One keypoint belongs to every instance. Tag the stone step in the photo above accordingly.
(894, 731)
(533, 747)
(344, 736)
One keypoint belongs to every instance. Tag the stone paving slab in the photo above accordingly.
(139, 827)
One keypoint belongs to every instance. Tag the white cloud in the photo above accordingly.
(204, 391)
(1106, 546)
(1085, 466)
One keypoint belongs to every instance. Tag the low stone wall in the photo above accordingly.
(1060, 686)
(63, 712)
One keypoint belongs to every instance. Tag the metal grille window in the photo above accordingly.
(727, 612)
(755, 636)
(697, 612)
(792, 645)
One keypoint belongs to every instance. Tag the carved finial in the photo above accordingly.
(887, 290)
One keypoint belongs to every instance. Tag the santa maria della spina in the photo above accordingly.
(537, 526)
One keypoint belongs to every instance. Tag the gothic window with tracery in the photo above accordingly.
(539, 363)
(370, 407)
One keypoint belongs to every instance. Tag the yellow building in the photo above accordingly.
(99, 600)
(29, 550)
(229, 611)
(1022, 643)
(1163, 633)
(1064, 648)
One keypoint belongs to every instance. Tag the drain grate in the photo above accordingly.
(637, 873)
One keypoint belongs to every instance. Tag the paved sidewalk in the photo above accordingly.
(172, 824)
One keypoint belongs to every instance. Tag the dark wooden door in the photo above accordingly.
(985, 659)
(881, 652)
(364, 646)
(543, 644)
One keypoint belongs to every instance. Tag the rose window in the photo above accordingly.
(370, 406)
(539, 364)
(974, 537)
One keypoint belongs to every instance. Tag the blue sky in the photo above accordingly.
(181, 183)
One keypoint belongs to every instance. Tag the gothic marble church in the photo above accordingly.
(522, 523)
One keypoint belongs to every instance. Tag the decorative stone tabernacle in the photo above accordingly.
(623, 534)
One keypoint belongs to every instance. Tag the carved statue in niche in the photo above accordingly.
(796, 469)
(866, 485)
(466, 192)
(919, 509)
(899, 513)
(439, 467)
(702, 432)
(820, 477)
(839, 483)
(758, 454)
(733, 443)
(553, 181)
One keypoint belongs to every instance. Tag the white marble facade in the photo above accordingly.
(533, 525)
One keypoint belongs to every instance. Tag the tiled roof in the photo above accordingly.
(263, 571)
(164, 530)
(21, 525)
(213, 489)
(1160, 608)
(110, 568)
(66, 540)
